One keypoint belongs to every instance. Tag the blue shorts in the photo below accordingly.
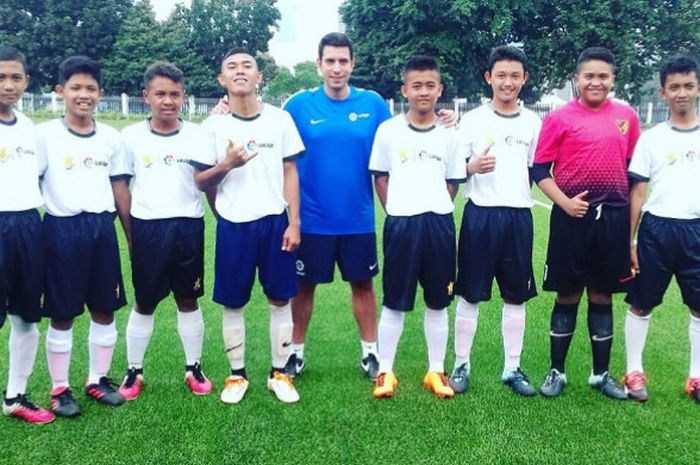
(167, 255)
(666, 247)
(419, 248)
(243, 247)
(495, 242)
(592, 252)
(356, 255)
(82, 265)
(21, 265)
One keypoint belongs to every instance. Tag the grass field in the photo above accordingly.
(337, 420)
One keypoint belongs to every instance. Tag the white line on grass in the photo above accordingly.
(548, 206)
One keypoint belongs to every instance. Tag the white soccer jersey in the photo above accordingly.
(163, 185)
(418, 162)
(77, 168)
(19, 166)
(669, 159)
(514, 140)
(256, 189)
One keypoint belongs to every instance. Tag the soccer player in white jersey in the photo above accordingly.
(495, 239)
(21, 257)
(167, 226)
(666, 160)
(417, 169)
(84, 179)
(253, 169)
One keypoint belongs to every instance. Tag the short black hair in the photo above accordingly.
(334, 39)
(596, 53)
(679, 64)
(507, 53)
(9, 53)
(421, 63)
(79, 64)
(163, 69)
(235, 51)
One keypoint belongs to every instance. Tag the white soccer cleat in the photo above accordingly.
(282, 386)
(234, 389)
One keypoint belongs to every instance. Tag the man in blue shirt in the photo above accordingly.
(337, 123)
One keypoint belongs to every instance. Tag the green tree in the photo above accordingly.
(48, 31)
(639, 32)
(136, 47)
(175, 45)
(218, 25)
(286, 83)
(461, 33)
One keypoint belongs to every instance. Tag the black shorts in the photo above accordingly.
(666, 247)
(82, 265)
(167, 255)
(495, 242)
(421, 249)
(21, 265)
(356, 255)
(592, 251)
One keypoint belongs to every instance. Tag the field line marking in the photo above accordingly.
(543, 204)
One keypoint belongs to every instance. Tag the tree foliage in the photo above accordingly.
(218, 25)
(48, 31)
(305, 76)
(461, 33)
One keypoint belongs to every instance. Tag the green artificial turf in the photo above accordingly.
(338, 421)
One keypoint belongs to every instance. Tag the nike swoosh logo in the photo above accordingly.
(286, 344)
(597, 338)
(316, 121)
(234, 348)
(372, 267)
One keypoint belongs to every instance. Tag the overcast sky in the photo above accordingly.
(303, 24)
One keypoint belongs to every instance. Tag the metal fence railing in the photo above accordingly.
(650, 112)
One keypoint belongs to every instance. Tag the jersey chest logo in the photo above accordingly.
(353, 117)
(623, 126)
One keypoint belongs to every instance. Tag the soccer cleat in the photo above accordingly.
(103, 392)
(385, 385)
(459, 379)
(132, 384)
(197, 381)
(24, 409)
(370, 365)
(294, 366)
(281, 384)
(692, 388)
(63, 403)
(234, 388)
(519, 383)
(636, 386)
(438, 383)
(607, 386)
(553, 383)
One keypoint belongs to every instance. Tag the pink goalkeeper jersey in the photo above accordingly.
(590, 149)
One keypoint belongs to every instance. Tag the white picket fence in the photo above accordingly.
(128, 106)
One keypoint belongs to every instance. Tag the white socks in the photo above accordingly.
(513, 330)
(23, 345)
(58, 349)
(368, 348)
(233, 331)
(390, 328)
(101, 342)
(138, 334)
(636, 329)
(190, 327)
(437, 331)
(694, 335)
(466, 319)
(280, 334)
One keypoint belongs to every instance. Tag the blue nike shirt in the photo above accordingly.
(335, 183)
